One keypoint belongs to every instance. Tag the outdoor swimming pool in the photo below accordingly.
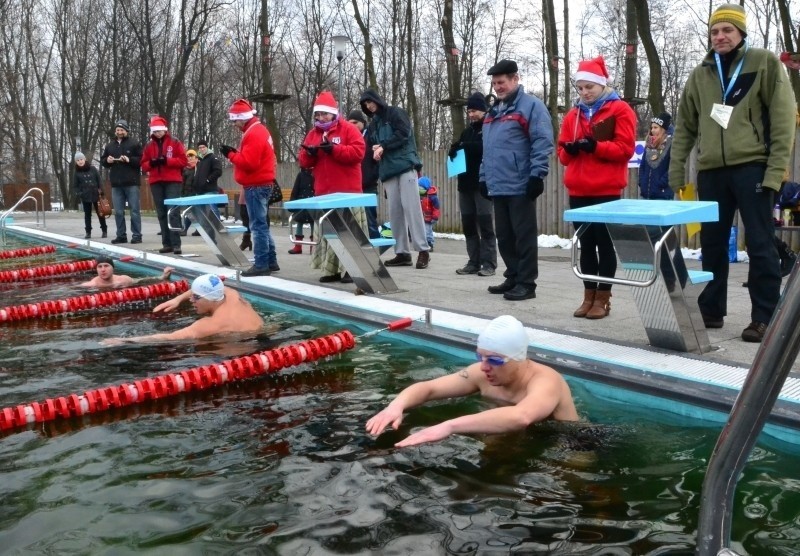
(281, 465)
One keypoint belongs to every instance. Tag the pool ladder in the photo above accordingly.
(28, 195)
(773, 361)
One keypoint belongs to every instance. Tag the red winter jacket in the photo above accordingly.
(605, 171)
(339, 171)
(173, 151)
(254, 163)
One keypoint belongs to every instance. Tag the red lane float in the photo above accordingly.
(27, 252)
(172, 384)
(46, 271)
(45, 309)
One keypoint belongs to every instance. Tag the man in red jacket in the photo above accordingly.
(254, 166)
(164, 159)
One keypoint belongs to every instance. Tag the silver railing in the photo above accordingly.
(28, 195)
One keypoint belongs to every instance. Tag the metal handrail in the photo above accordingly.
(319, 234)
(25, 197)
(621, 281)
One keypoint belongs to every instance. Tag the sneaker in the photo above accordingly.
(274, 267)
(423, 259)
(468, 269)
(486, 271)
(136, 240)
(506, 286)
(256, 271)
(165, 250)
(347, 279)
(117, 240)
(713, 322)
(330, 278)
(754, 332)
(401, 259)
(520, 292)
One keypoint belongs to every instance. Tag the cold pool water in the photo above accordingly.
(281, 465)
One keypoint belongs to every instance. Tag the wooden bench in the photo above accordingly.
(669, 313)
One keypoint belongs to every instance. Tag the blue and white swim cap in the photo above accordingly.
(209, 286)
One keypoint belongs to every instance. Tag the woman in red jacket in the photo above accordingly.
(334, 148)
(164, 159)
(597, 138)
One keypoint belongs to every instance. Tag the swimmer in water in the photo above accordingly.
(224, 311)
(530, 391)
(107, 279)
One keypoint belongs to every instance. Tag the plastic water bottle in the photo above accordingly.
(776, 215)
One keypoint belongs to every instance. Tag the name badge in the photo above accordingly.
(721, 114)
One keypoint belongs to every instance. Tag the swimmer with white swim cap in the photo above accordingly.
(528, 391)
(224, 309)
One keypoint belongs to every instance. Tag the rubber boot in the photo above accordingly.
(297, 249)
(588, 300)
(246, 242)
(601, 306)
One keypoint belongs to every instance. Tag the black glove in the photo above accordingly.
(226, 150)
(453, 150)
(156, 162)
(484, 191)
(535, 188)
(312, 151)
(587, 144)
(326, 147)
(571, 148)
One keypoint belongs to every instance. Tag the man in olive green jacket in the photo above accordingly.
(744, 128)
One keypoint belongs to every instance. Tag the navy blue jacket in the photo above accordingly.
(654, 173)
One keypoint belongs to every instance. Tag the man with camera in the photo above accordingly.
(122, 157)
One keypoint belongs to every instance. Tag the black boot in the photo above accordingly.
(246, 242)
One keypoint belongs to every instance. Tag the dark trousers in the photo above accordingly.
(162, 191)
(88, 209)
(669, 265)
(597, 250)
(739, 187)
(478, 226)
(518, 238)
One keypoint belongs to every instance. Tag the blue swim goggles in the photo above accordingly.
(493, 360)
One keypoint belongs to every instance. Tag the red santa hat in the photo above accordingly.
(326, 103)
(593, 70)
(158, 123)
(241, 109)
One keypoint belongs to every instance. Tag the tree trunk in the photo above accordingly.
(551, 54)
(369, 62)
(266, 79)
(453, 71)
(790, 44)
(629, 88)
(655, 94)
(413, 112)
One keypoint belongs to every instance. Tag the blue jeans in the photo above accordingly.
(119, 195)
(263, 245)
(162, 191)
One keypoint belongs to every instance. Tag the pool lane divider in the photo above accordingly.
(27, 252)
(172, 384)
(46, 271)
(45, 309)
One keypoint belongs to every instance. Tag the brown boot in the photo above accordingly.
(588, 299)
(601, 306)
(297, 248)
(246, 242)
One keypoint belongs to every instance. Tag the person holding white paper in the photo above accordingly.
(477, 219)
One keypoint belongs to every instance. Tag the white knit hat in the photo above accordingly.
(209, 286)
(505, 335)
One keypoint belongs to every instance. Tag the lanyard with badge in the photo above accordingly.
(721, 113)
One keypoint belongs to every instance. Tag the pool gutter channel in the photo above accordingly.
(681, 377)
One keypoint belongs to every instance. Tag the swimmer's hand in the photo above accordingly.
(429, 434)
(390, 416)
(168, 270)
(169, 305)
(113, 341)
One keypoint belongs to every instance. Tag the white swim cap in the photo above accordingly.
(505, 335)
(209, 286)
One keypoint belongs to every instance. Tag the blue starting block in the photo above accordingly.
(641, 231)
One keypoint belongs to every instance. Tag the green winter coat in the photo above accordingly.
(761, 128)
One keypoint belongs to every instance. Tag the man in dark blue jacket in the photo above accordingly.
(209, 170)
(517, 144)
(395, 149)
(369, 172)
(123, 157)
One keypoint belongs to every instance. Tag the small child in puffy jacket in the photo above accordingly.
(430, 206)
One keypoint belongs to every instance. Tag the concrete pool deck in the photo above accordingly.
(461, 303)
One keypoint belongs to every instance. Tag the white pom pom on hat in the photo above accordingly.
(506, 336)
